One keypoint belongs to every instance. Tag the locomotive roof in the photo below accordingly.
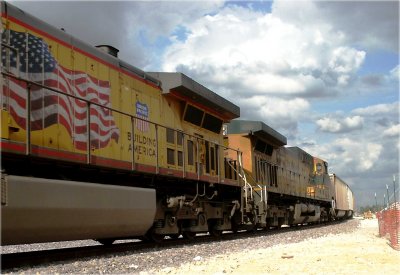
(183, 86)
(298, 150)
(259, 129)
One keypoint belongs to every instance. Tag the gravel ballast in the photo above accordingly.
(231, 256)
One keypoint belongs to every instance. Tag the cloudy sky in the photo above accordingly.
(324, 74)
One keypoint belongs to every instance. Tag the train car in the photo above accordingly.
(286, 186)
(343, 197)
(93, 147)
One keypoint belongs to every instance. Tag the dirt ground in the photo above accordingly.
(359, 252)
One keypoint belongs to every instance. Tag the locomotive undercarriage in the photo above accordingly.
(290, 210)
(200, 209)
(187, 207)
(205, 211)
(183, 207)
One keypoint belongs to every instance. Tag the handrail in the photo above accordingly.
(105, 107)
(17, 55)
(89, 104)
(88, 145)
(28, 121)
(133, 142)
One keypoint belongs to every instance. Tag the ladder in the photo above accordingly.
(252, 200)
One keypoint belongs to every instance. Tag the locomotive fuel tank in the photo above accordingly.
(44, 210)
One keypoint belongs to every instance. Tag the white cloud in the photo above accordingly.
(378, 109)
(393, 131)
(346, 60)
(131, 26)
(263, 54)
(244, 54)
(395, 73)
(369, 24)
(340, 125)
(274, 111)
(351, 155)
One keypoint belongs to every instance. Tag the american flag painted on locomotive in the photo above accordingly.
(142, 112)
(47, 107)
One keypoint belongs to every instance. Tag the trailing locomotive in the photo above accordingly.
(93, 147)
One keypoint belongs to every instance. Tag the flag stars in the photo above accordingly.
(33, 53)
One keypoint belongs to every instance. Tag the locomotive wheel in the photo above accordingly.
(234, 226)
(215, 232)
(174, 236)
(212, 229)
(188, 235)
(152, 236)
(106, 242)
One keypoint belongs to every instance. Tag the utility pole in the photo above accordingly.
(394, 189)
(384, 201)
(387, 191)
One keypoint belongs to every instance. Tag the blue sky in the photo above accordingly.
(324, 74)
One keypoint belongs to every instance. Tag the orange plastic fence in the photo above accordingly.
(389, 224)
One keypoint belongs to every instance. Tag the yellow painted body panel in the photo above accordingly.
(125, 91)
(134, 135)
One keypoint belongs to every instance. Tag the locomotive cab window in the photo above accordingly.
(202, 119)
(263, 147)
(260, 146)
(193, 115)
(212, 123)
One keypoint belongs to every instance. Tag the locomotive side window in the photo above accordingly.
(217, 159)
(170, 156)
(273, 175)
(180, 158)
(180, 138)
(207, 157)
(262, 172)
(212, 158)
(190, 151)
(170, 136)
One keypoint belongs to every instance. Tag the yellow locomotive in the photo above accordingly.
(93, 147)
(74, 114)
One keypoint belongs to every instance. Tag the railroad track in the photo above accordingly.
(53, 256)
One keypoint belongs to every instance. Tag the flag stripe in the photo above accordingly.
(49, 108)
